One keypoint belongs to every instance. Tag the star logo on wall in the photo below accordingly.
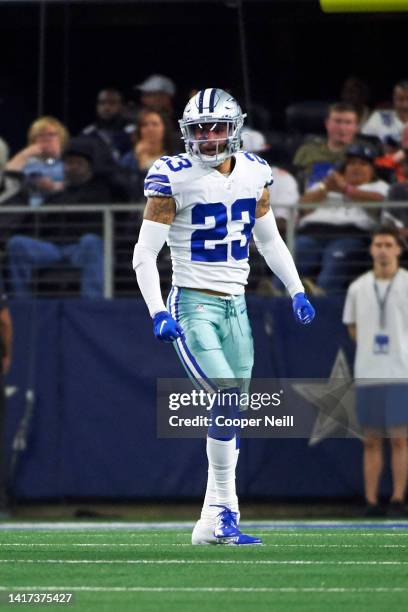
(335, 403)
(10, 391)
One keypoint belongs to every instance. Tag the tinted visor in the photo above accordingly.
(205, 131)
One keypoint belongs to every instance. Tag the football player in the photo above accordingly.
(205, 204)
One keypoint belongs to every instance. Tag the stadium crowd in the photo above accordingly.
(342, 154)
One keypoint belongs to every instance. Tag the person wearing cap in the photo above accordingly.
(157, 92)
(332, 238)
(74, 238)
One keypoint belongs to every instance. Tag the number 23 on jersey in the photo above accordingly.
(218, 211)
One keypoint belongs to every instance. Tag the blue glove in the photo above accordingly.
(302, 309)
(165, 327)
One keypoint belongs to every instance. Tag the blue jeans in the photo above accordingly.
(334, 261)
(25, 254)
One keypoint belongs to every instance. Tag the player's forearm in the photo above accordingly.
(152, 237)
(276, 253)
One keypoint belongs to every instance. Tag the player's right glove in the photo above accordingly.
(166, 328)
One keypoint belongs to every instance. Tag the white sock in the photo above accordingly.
(222, 460)
(208, 513)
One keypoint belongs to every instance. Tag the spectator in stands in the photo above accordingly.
(376, 314)
(40, 161)
(157, 92)
(6, 335)
(315, 159)
(284, 192)
(153, 138)
(390, 123)
(112, 131)
(398, 217)
(356, 92)
(332, 238)
(392, 160)
(66, 237)
(399, 191)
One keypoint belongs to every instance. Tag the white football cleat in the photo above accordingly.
(203, 533)
(222, 530)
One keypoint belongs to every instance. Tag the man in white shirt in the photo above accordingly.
(387, 123)
(376, 314)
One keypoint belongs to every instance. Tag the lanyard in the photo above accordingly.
(382, 303)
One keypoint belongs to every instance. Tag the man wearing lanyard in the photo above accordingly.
(376, 313)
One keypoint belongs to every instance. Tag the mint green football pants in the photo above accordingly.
(217, 350)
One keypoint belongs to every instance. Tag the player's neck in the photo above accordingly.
(385, 272)
(227, 166)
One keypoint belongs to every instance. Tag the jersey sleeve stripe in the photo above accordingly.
(151, 186)
(162, 178)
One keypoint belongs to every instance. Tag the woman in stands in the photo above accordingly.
(153, 138)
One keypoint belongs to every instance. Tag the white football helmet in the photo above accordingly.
(212, 110)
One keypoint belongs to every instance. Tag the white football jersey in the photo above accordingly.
(215, 214)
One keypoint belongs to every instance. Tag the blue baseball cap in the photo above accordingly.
(362, 151)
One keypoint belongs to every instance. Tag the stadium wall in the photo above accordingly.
(93, 367)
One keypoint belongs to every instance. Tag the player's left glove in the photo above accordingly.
(165, 327)
(302, 309)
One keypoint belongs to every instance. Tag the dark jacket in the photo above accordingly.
(69, 227)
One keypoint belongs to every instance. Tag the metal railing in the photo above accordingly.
(131, 223)
(291, 224)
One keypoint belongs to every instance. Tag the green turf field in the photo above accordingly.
(122, 569)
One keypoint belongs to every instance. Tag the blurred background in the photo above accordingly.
(66, 51)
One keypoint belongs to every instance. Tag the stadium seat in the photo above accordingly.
(306, 117)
